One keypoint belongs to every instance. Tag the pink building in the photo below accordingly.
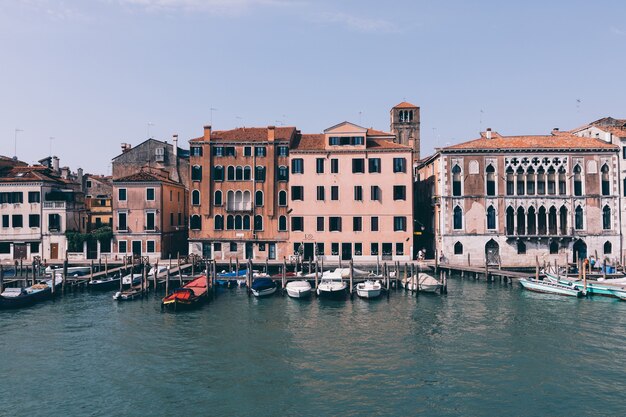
(350, 195)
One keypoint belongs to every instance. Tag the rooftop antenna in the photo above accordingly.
(578, 101)
(481, 121)
(360, 114)
(51, 139)
(15, 142)
(212, 109)
(150, 124)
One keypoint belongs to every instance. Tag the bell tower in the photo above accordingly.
(405, 125)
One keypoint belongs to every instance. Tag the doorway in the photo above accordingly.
(136, 247)
(346, 251)
(54, 251)
(309, 251)
(272, 251)
(580, 250)
(249, 252)
(492, 252)
(19, 251)
(92, 249)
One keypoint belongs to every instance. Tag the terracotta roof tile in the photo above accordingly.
(31, 173)
(557, 140)
(309, 142)
(385, 144)
(144, 176)
(249, 134)
(404, 105)
(374, 132)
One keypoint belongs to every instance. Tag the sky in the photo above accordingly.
(92, 74)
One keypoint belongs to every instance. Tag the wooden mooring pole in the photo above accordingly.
(91, 272)
(351, 278)
(64, 277)
(316, 274)
(2, 278)
(284, 276)
(155, 276)
(167, 281)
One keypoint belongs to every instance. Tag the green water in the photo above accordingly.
(484, 349)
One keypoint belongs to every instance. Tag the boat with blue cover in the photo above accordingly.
(262, 287)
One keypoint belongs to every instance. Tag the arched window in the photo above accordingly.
(238, 200)
(282, 198)
(238, 222)
(259, 174)
(606, 218)
(239, 173)
(541, 181)
(605, 180)
(219, 222)
(491, 218)
(196, 222)
(230, 173)
(230, 200)
(458, 218)
(246, 222)
(456, 181)
(563, 219)
(578, 184)
(247, 173)
(542, 228)
(551, 181)
(562, 181)
(491, 180)
(552, 220)
(247, 200)
(520, 181)
(521, 221)
(510, 185)
(578, 221)
(521, 247)
(530, 181)
(218, 173)
(230, 222)
(258, 198)
(258, 222)
(282, 224)
(458, 248)
(196, 173)
(283, 173)
(608, 248)
(532, 221)
(510, 221)
(217, 200)
(195, 197)
(554, 247)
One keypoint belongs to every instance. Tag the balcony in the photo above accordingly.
(239, 207)
(54, 205)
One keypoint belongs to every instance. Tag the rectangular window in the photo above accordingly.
(358, 193)
(33, 220)
(375, 193)
(358, 166)
(171, 219)
(229, 151)
(399, 248)
(334, 192)
(321, 194)
(297, 224)
(217, 247)
(320, 224)
(180, 219)
(34, 197)
(150, 216)
(334, 248)
(399, 192)
(297, 192)
(334, 141)
(283, 151)
(122, 246)
(319, 165)
(196, 150)
(121, 221)
(399, 223)
(18, 220)
(357, 224)
(334, 166)
(334, 224)
(12, 197)
(34, 247)
(150, 194)
(374, 224)
(218, 151)
(233, 247)
(320, 249)
(296, 247)
(260, 151)
(150, 247)
(399, 165)
(247, 151)
(374, 165)
(88, 184)
(624, 152)
(374, 249)
(297, 166)
(283, 173)
(358, 248)
(121, 194)
(5, 220)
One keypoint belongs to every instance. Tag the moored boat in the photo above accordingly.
(22, 297)
(619, 293)
(298, 289)
(128, 294)
(589, 288)
(422, 282)
(369, 289)
(104, 284)
(332, 286)
(548, 287)
(73, 271)
(191, 295)
(262, 287)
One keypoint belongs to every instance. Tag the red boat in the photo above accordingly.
(191, 295)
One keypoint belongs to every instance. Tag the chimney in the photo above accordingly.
(65, 173)
(79, 176)
(126, 147)
(488, 133)
(271, 133)
(175, 145)
(207, 133)
(55, 164)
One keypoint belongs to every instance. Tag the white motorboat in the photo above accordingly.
(299, 289)
(550, 287)
(74, 271)
(369, 289)
(422, 282)
(332, 285)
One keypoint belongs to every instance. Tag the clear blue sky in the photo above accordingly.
(93, 74)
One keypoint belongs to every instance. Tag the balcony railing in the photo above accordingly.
(239, 207)
(54, 204)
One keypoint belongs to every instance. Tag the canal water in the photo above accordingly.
(484, 349)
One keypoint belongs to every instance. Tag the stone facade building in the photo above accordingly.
(405, 126)
(511, 199)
